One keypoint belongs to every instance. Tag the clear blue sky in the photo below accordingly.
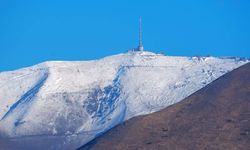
(32, 31)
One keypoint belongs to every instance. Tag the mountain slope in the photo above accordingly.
(215, 117)
(63, 105)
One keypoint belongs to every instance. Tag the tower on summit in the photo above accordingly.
(140, 47)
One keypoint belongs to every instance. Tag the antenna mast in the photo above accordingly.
(140, 47)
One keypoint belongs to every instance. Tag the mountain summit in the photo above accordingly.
(63, 105)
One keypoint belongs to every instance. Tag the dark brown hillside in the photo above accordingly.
(216, 117)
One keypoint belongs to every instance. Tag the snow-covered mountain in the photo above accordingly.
(63, 105)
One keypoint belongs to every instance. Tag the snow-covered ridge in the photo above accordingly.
(72, 102)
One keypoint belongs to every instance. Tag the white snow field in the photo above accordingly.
(62, 105)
